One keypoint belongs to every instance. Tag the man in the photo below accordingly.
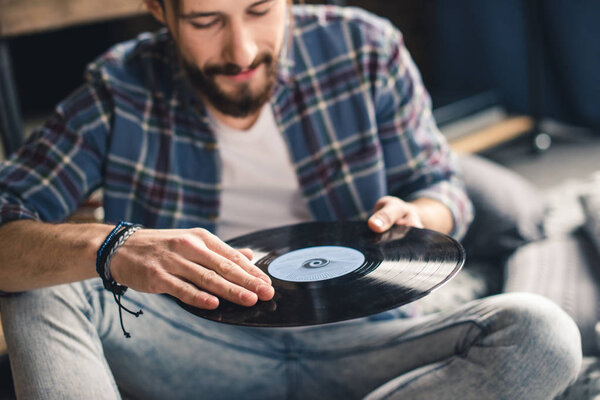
(246, 114)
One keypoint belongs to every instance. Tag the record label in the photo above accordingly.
(314, 264)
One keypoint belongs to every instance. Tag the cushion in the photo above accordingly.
(587, 385)
(565, 270)
(509, 210)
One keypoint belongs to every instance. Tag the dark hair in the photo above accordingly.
(174, 2)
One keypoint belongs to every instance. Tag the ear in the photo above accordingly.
(157, 11)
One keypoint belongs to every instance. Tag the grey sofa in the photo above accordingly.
(526, 240)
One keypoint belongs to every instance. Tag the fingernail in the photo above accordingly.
(378, 222)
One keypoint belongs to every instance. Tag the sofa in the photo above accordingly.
(527, 240)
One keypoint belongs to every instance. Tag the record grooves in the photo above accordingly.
(326, 272)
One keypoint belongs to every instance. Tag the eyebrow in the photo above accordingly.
(258, 3)
(198, 14)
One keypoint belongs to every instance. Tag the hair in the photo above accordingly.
(176, 3)
(176, 7)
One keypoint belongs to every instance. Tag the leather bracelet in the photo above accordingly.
(107, 250)
(103, 253)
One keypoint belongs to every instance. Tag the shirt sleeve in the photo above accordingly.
(419, 162)
(60, 164)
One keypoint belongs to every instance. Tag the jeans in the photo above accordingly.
(66, 342)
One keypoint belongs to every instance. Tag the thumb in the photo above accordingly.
(381, 221)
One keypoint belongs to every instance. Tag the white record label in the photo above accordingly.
(314, 264)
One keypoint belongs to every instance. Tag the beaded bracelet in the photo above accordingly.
(107, 250)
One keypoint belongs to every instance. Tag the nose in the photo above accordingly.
(241, 48)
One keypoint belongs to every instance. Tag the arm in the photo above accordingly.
(36, 254)
(422, 174)
(192, 265)
(59, 166)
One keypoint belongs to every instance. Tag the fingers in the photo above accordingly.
(390, 211)
(192, 265)
(236, 286)
(218, 246)
(214, 266)
(227, 279)
(188, 293)
(386, 213)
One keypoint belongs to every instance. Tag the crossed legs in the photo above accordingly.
(66, 342)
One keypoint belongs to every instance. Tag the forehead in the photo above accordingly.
(218, 5)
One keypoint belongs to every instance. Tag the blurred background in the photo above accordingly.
(484, 62)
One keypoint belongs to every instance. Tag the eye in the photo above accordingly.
(259, 13)
(197, 24)
(260, 9)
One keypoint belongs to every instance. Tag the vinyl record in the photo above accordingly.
(326, 272)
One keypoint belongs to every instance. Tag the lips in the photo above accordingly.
(243, 76)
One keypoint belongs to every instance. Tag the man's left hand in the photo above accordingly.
(390, 211)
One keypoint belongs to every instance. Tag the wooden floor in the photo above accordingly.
(494, 135)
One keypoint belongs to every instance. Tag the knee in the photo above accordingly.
(546, 336)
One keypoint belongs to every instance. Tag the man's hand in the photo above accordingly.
(390, 211)
(419, 213)
(193, 265)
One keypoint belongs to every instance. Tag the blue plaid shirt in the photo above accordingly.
(348, 100)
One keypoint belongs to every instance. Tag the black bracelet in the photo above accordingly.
(101, 256)
(109, 247)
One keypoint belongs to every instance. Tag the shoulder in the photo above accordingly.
(362, 26)
(142, 65)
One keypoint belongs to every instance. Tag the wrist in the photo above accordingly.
(113, 241)
(76, 244)
(90, 238)
(433, 214)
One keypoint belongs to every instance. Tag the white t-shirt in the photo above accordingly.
(259, 185)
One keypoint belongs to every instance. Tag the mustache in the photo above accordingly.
(234, 69)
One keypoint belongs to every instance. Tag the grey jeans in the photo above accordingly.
(66, 342)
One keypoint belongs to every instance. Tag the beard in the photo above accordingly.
(243, 101)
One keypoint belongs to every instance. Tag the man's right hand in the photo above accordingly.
(193, 265)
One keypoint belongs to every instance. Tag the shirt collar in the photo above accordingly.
(286, 57)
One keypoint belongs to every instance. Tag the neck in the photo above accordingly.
(241, 124)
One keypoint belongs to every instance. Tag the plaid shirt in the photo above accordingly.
(348, 100)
